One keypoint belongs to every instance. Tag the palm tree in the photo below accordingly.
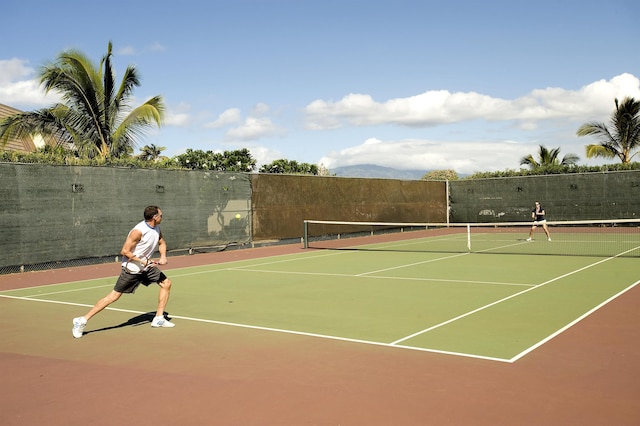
(549, 158)
(151, 152)
(621, 138)
(95, 117)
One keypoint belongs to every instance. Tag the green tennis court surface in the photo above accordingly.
(493, 306)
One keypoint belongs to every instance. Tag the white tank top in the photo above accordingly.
(149, 241)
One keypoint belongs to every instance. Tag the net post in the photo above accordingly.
(305, 235)
(448, 198)
(469, 237)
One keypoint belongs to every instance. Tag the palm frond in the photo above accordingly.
(570, 160)
(133, 126)
(602, 151)
(44, 122)
(548, 157)
(621, 137)
(529, 161)
(95, 116)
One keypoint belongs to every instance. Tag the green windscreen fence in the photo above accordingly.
(52, 214)
(579, 196)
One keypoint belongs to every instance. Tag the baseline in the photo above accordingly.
(271, 329)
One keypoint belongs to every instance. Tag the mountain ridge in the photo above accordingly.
(375, 171)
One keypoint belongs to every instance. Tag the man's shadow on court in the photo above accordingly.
(141, 319)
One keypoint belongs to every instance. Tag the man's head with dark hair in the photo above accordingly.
(150, 212)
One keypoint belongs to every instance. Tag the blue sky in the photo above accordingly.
(467, 85)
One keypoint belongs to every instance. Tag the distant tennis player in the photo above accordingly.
(538, 216)
(140, 245)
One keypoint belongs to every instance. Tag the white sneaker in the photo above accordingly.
(161, 322)
(79, 324)
(549, 239)
(528, 239)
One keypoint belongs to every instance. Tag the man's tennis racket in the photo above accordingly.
(139, 266)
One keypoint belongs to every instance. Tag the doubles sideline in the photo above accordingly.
(396, 344)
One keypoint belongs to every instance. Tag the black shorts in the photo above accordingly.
(128, 282)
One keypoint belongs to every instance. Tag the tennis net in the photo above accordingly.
(598, 238)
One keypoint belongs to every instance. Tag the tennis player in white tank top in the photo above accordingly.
(141, 243)
(150, 236)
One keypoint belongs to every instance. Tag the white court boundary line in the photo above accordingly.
(270, 329)
(572, 323)
(380, 277)
(213, 268)
(394, 344)
(531, 348)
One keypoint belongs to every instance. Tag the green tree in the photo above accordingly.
(289, 167)
(548, 158)
(95, 117)
(151, 152)
(239, 160)
(323, 170)
(448, 174)
(229, 161)
(621, 138)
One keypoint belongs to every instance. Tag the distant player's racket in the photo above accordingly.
(139, 266)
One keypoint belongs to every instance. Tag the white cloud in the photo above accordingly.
(548, 116)
(19, 88)
(126, 51)
(229, 116)
(567, 109)
(254, 128)
(260, 109)
(439, 107)
(416, 154)
(176, 119)
(132, 51)
(177, 116)
(157, 47)
(264, 155)
(14, 69)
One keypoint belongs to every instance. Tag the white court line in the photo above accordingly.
(55, 284)
(572, 323)
(443, 258)
(238, 268)
(505, 299)
(307, 257)
(452, 281)
(169, 270)
(413, 264)
(68, 291)
(490, 249)
(410, 242)
(276, 330)
(335, 253)
(266, 271)
(394, 344)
